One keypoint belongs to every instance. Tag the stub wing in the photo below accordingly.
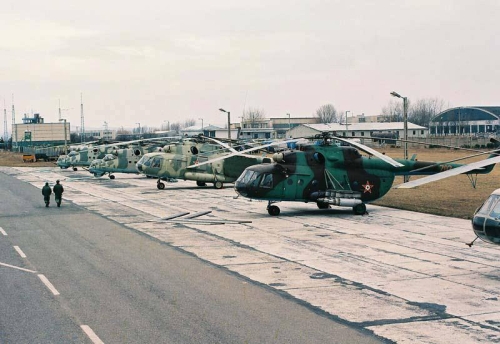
(453, 172)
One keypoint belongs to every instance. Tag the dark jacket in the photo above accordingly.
(58, 190)
(46, 191)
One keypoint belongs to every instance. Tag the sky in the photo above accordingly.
(153, 62)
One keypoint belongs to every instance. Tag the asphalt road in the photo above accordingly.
(105, 282)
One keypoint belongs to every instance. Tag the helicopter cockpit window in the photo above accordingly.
(495, 212)
(489, 204)
(156, 163)
(267, 181)
(248, 177)
(145, 160)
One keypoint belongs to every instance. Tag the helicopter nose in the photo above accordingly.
(241, 188)
(139, 167)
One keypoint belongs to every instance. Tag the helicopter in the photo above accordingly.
(185, 160)
(120, 161)
(84, 156)
(328, 174)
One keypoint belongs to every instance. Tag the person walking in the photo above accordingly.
(58, 191)
(46, 192)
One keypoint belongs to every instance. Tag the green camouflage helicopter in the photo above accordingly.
(328, 174)
(120, 161)
(180, 161)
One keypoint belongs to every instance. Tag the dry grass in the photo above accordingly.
(453, 196)
(16, 160)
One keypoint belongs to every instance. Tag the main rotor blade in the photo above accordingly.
(221, 143)
(371, 151)
(454, 160)
(241, 152)
(449, 173)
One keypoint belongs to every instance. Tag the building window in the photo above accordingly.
(363, 133)
(421, 132)
(353, 133)
(413, 132)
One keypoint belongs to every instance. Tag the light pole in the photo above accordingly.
(228, 124)
(346, 122)
(139, 129)
(405, 129)
(65, 137)
(201, 125)
(289, 125)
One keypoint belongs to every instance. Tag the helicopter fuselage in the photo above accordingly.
(486, 219)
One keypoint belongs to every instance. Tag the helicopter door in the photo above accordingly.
(268, 183)
(293, 187)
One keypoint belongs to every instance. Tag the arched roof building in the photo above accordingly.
(467, 120)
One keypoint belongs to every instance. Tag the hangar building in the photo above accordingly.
(468, 120)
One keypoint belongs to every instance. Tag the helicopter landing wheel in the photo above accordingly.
(218, 185)
(273, 210)
(359, 209)
(160, 186)
(75, 169)
(111, 176)
(200, 183)
(322, 205)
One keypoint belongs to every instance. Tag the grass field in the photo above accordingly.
(453, 196)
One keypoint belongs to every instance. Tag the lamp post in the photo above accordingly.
(405, 130)
(201, 125)
(228, 124)
(65, 137)
(346, 122)
(289, 125)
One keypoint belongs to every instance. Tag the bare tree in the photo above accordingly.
(175, 127)
(252, 116)
(419, 112)
(392, 112)
(423, 110)
(123, 131)
(327, 114)
(189, 123)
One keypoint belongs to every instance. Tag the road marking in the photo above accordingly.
(21, 253)
(17, 267)
(48, 284)
(2, 231)
(91, 334)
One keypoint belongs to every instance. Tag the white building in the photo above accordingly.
(358, 129)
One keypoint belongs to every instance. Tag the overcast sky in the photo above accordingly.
(151, 61)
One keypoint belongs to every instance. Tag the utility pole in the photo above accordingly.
(5, 132)
(82, 118)
(228, 124)
(65, 136)
(13, 124)
(346, 122)
(405, 127)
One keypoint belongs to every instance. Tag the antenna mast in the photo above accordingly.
(82, 118)
(59, 110)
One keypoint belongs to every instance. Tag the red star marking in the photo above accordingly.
(367, 187)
